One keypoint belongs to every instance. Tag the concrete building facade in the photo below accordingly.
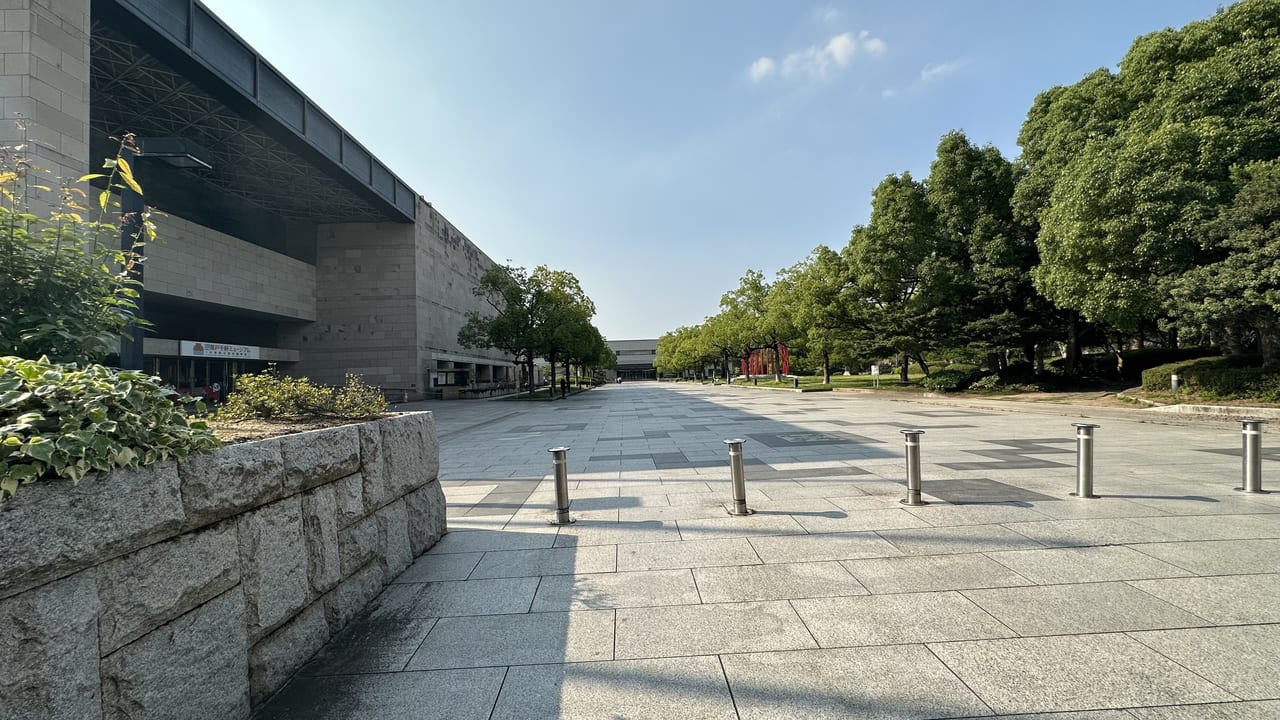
(635, 358)
(285, 241)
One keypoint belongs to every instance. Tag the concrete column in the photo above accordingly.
(44, 79)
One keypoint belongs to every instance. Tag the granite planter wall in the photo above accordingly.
(194, 589)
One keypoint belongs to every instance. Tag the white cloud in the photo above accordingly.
(826, 14)
(888, 92)
(934, 72)
(761, 69)
(816, 62)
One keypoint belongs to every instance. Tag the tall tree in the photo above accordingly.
(904, 281)
(806, 299)
(513, 323)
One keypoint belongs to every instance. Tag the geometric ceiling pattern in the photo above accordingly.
(132, 91)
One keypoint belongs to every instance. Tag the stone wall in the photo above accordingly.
(194, 589)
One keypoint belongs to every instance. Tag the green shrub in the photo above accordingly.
(1230, 377)
(63, 421)
(270, 396)
(952, 378)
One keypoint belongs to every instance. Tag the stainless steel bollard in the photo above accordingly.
(1251, 465)
(912, 438)
(738, 476)
(560, 459)
(795, 382)
(1174, 383)
(1084, 460)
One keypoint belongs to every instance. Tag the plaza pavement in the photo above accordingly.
(1003, 596)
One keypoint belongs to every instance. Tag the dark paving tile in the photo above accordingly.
(370, 645)
(959, 491)
(1021, 455)
(802, 438)
(439, 695)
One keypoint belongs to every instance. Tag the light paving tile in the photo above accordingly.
(835, 546)
(1229, 600)
(1070, 508)
(932, 573)
(1037, 675)
(679, 511)
(441, 695)
(1220, 527)
(1203, 505)
(455, 597)
(1242, 659)
(370, 645)
(709, 629)
(843, 683)
(1249, 710)
(895, 619)
(494, 640)
(546, 561)
(606, 533)
(1085, 564)
(775, 582)
(942, 515)
(688, 554)
(748, 526)
(1219, 557)
(1082, 715)
(1086, 608)
(1100, 531)
(430, 568)
(860, 520)
(869, 502)
(611, 590)
(963, 539)
(689, 688)
(466, 541)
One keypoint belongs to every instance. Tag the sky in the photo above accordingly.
(658, 150)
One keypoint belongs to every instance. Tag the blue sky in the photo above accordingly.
(659, 149)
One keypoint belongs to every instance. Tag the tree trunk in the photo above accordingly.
(924, 366)
(1268, 342)
(1029, 355)
(529, 375)
(826, 367)
(551, 357)
(902, 371)
(777, 365)
(1073, 343)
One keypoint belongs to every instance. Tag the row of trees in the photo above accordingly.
(539, 314)
(1145, 206)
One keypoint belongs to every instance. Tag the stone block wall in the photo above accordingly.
(194, 589)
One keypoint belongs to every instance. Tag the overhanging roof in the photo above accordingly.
(170, 68)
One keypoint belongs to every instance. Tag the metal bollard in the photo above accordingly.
(738, 476)
(560, 459)
(1084, 460)
(755, 381)
(1251, 465)
(1174, 383)
(795, 382)
(912, 438)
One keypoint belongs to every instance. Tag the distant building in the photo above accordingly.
(635, 358)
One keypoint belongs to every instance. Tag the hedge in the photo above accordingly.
(1230, 377)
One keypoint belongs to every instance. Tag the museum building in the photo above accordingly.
(281, 239)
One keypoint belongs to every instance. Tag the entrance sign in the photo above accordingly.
(200, 349)
(875, 369)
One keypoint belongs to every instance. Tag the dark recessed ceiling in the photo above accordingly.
(132, 91)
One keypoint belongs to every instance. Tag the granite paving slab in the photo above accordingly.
(834, 546)
(687, 554)
(440, 695)
(885, 683)
(531, 638)
(1229, 600)
(429, 568)
(1100, 531)
(1085, 564)
(599, 591)
(775, 582)
(1030, 675)
(1242, 659)
(1084, 608)
(1219, 557)
(896, 619)
(692, 688)
(962, 539)
(1249, 710)
(709, 629)
(932, 573)
(370, 645)
(546, 561)
(447, 598)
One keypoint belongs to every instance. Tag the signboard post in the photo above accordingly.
(875, 375)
